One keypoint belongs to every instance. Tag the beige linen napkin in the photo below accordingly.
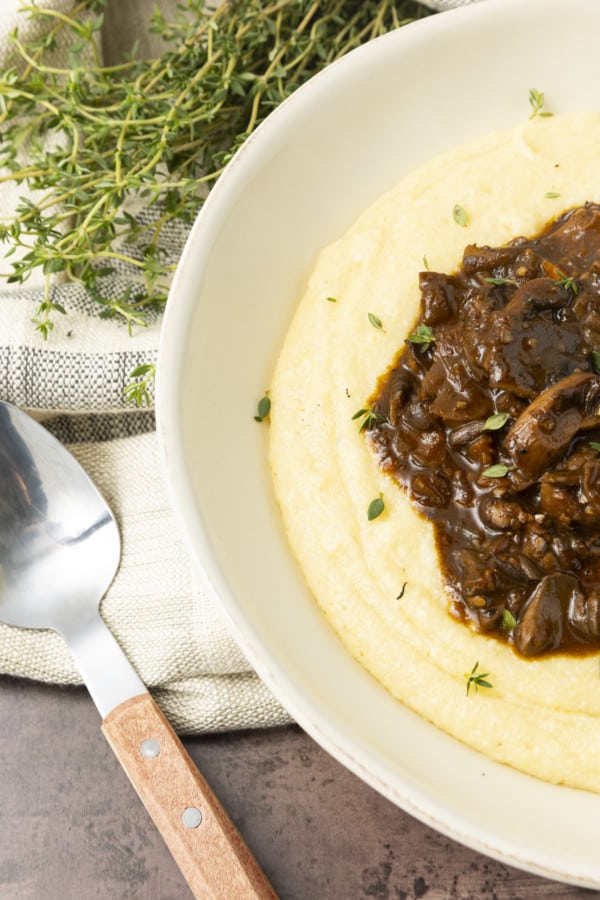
(167, 623)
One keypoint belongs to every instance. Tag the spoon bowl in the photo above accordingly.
(60, 545)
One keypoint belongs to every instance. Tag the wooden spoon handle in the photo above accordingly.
(204, 842)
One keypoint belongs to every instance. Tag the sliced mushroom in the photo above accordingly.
(465, 433)
(534, 341)
(488, 259)
(543, 432)
(457, 397)
(430, 490)
(437, 297)
(476, 573)
(590, 486)
(584, 615)
(397, 391)
(568, 241)
(541, 625)
(535, 295)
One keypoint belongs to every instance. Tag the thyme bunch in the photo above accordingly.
(88, 139)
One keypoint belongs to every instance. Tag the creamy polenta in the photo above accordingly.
(378, 580)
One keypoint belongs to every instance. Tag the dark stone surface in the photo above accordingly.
(72, 827)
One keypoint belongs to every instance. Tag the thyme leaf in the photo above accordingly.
(499, 470)
(375, 508)
(501, 281)
(495, 422)
(264, 408)
(508, 620)
(460, 215)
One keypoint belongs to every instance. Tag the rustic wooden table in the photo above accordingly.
(72, 827)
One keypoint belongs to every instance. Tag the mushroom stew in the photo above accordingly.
(490, 418)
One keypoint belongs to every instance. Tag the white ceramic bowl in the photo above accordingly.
(298, 183)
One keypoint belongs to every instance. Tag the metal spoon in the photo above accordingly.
(59, 552)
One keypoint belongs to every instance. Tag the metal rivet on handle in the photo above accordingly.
(191, 817)
(150, 748)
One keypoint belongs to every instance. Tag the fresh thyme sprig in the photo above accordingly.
(138, 389)
(370, 417)
(423, 334)
(477, 679)
(536, 101)
(568, 282)
(87, 138)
